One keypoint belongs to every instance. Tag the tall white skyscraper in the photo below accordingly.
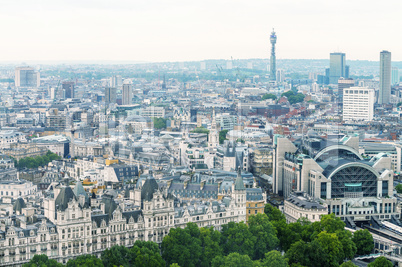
(384, 95)
(26, 77)
(127, 96)
(358, 104)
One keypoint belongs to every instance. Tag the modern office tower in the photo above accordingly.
(68, 88)
(395, 76)
(280, 76)
(27, 77)
(344, 83)
(164, 82)
(337, 66)
(384, 95)
(127, 93)
(347, 71)
(358, 104)
(110, 95)
(116, 81)
(273, 57)
(53, 93)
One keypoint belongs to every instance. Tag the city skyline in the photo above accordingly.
(181, 31)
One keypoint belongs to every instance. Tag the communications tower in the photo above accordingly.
(273, 57)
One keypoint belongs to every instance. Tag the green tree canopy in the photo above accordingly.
(182, 247)
(42, 261)
(116, 256)
(237, 237)
(264, 231)
(146, 253)
(364, 242)
(348, 264)
(85, 260)
(201, 130)
(38, 161)
(268, 96)
(222, 136)
(274, 259)
(159, 123)
(210, 243)
(233, 259)
(293, 97)
(398, 188)
(380, 262)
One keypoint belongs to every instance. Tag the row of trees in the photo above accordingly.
(322, 243)
(35, 162)
(266, 240)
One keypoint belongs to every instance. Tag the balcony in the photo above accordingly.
(11, 253)
(23, 252)
(43, 249)
(33, 250)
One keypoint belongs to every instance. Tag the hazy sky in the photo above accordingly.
(182, 30)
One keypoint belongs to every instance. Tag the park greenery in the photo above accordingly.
(200, 130)
(293, 97)
(268, 96)
(266, 240)
(159, 123)
(222, 136)
(398, 188)
(35, 162)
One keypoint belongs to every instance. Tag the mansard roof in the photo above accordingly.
(64, 197)
(19, 204)
(149, 188)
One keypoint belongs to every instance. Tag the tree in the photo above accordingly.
(42, 261)
(325, 250)
(222, 136)
(233, 259)
(274, 259)
(380, 262)
(159, 123)
(146, 253)
(296, 254)
(349, 248)
(398, 188)
(364, 242)
(85, 260)
(210, 243)
(293, 97)
(180, 247)
(240, 140)
(237, 237)
(331, 249)
(268, 96)
(348, 264)
(265, 233)
(274, 214)
(116, 256)
(201, 130)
